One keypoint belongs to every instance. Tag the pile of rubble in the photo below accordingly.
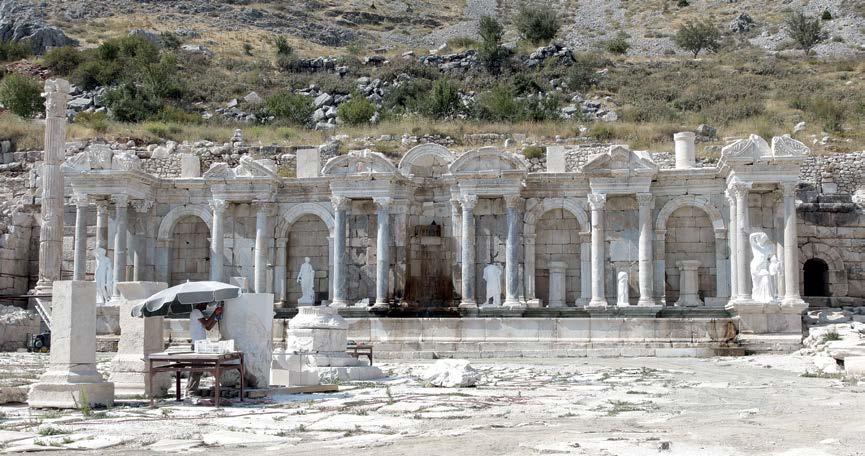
(836, 340)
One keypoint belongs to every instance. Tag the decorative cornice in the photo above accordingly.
(120, 199)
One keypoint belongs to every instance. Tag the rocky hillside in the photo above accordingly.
(339, 26)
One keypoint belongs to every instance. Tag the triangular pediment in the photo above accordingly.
(620, 160)
(752, 148)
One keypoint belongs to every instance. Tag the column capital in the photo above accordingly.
(382, 202)
(740, 189)
(646, 199)
(597, 200)
(81, 199)
(788, 189)
(513, 201)
(456, 203)
(142, 206)
(120, 199)
(469, 201)
(340, 203)
(218, 205)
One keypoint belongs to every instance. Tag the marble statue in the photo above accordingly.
(306, 279)
(493, 278)
(764, 268)
(103, 277)
(622, 289)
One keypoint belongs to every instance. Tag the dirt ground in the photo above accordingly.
(760, 405)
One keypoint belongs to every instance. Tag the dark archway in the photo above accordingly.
(816, 278)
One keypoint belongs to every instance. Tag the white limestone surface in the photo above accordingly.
(451, 373)
(248, 319)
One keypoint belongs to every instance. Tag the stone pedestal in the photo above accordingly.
(688, 284)
(248, 319)
(139, 337)
(557, 284)
(768, 327)
(72, 378)
(315, 351)
(107, 320)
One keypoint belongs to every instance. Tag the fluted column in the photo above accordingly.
(121, 220)
(597, 201)
(732, 237)
(722, 275)
(382, 243)
(660, 274)
(79, 267)
(512, 248)
(529, 268)
(260, 272)
(791, 246)
(51, 228)
(217, 239)
(585, 268)
(340, 289)
(646, 202)
(102, 224)
(468, 251)
(740, 191)
(456, 231)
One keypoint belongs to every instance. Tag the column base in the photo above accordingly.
(598, 302)
(513, 303)
(535, 303)
(466, 304)
(339, 303)
(646, 302)
(380, 305)
(67, 389)
(689, 301)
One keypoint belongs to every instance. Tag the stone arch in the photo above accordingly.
(547, 204)
(297, 211)
(358, 161)
(424, 150)
(691, 200)
(166, 227)
(838, 286)
(488, 159)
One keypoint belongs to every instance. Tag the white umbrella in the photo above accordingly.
(181, 298)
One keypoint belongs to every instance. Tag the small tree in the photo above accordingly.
(618, 44)
(62, 60)
(806, 31)
(443, 100)
(290, 107)
(536, 23)
(491, 53)
(21, 95)
(357, 111)
(698, 35)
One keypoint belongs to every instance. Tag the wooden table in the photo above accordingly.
(358, 350)
(212, 363)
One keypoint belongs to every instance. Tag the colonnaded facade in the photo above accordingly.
(476, 232)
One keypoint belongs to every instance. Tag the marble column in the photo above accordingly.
(585, 268)
(660, 274)
(51, 228)
(529, 269)
(597, 201)
(468, 251)
(340, 272)
(79, 267)
(382, 245)
(780, 279)
(260, 272)
(512, 248)
(646, 202)
(741, 190)
(217, 240)
(558, 284)
(732, 237)
(722, 275)
(456, 228)
(791, 246)
(688, 284)
(102, 224)
(136, 243)
(121, 220)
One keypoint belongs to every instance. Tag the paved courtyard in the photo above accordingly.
(721, 406)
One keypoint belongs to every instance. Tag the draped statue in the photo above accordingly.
(306, 279)
(764, 268)
(103, 277)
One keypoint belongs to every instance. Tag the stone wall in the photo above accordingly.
(190, 251)
(431, 259)
(847, 170)
(690, 237)
(361, 251)
(558, 239)
(491, 229)
(15, 325)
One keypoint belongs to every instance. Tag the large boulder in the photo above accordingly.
(451, 373)
(19, 21)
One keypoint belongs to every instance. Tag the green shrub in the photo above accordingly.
(539, 110)
(132, 103)
(491, 53)
(247, 49)
(97, 121)
(407, 96)
(170, 40)
(282, 46)
(14, 50)
(443, 100)
(536, 23)
(62, 60)
(163, 130)
(807, 32)
(697, 36)
(618, 44)
(532, 152)
(500, 104)
(21, 95)
(462, 42)
(830, 113)
(583, 73)
(289, 107)
(682, 3)
(173, 114)
(827, 15)
(357, 111)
